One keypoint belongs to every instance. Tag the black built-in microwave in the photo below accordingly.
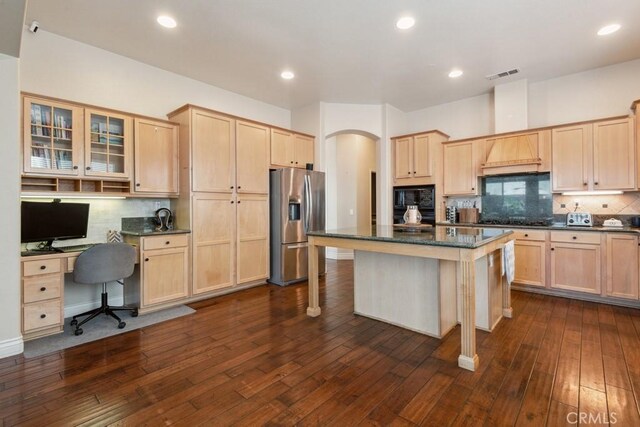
(424, 196)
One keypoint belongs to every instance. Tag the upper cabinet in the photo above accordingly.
(252, 157)
(52, 137)
(108, 143)
(213, 152)
(155, 157)
(517, 153)
(415, 158)
(462, 167)
(594, 156)
(290, 149)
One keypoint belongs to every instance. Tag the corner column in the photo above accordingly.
(468, 358)
(314, 298)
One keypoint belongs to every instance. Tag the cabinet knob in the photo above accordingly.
(232, 202)
(137, 184)
(238, 201)
(75, 167)
(526, 235)
(414, 172)
(42, 316)
(239, 187)
(595, 183)
(167, 242)
(473, 189)
(43, 267)
(42, 289)
(296, 163)
(574, 237)
(88, 168)
(291, 161)
(146, 259)
(408, 172)
(584, 183)
(552, 249)
(231, 187)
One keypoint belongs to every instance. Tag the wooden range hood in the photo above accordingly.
(516, 153)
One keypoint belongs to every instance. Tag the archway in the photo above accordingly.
(350, 161)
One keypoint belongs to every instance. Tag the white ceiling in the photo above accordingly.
(349, 51)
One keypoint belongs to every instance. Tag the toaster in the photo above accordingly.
(579, 219)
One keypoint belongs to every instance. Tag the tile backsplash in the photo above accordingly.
(106, 214)
(618, 204)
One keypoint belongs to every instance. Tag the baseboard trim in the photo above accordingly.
(11, 347)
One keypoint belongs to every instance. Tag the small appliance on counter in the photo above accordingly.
(579, 219)
(635, 221)
(163, 219)
(612, 222)
(469, 215)
(452, 213)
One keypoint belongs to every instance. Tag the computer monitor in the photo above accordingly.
(46, 222)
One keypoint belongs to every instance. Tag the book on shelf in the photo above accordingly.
(36, 118)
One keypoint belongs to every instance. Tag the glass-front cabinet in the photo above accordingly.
(52, 137)
(107, 144)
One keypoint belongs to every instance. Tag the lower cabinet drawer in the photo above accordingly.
(165, 241)
(40, 288)
(576, 237)
(41, 314)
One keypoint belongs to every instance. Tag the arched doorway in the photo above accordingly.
(351, 161)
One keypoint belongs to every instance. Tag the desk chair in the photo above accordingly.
(104, 263)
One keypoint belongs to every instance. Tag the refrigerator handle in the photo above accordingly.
(309, 204)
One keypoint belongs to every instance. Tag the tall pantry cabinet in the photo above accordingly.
(224, 180)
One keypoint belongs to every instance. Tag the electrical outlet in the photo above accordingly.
(563, 205)
(605, 205)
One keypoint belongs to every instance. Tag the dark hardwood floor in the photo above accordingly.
(255, 358)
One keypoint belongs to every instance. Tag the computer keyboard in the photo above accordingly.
(75, 248)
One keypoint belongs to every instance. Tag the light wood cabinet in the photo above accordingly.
(517, 153)
(289, 149)
(622, 266)
(42, 296)
(531, 254)
(155, 157)
(108, 143)
(594, 156)
(212, 151)
(576, 266)
(414, 158)
(252, 238)
(252, 158)
(461, 167)
(213, 241)
(164, 269)
(52, 137)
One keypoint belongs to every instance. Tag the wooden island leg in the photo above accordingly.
(507, 311)
(314, 298)
(468, 358)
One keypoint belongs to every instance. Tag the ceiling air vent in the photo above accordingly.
(503, 74)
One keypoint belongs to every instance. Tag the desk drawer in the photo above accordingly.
(165, 242)
(45, 266)
(41, 314)
(41, 288)
(576, 237)
(532, 235)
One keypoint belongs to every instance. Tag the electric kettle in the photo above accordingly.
(163, 219)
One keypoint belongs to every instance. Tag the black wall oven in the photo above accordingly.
(422, 195)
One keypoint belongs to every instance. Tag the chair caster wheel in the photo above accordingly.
(121, 325)
(134, 313)
(78, 331)
(74, 322)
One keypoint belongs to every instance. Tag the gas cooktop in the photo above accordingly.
(515, 220)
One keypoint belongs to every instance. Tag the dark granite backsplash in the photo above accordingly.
(138, 224)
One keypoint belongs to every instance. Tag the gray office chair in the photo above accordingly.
(106, 262)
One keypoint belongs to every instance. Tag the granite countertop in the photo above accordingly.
(555, 226)
(152, 232)
(440, 235)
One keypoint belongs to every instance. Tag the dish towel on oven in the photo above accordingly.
(509, 260)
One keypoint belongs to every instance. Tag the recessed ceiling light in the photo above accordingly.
(287, 75)
(167, 21)
(608, 29)
(405, 23)
(455, 73)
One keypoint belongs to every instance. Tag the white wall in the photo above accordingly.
(10, 336)
(309, 120)
(56, 66)
(593, 94)
(465, 118)
(510, 106)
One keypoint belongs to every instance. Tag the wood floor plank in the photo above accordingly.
(255, 358)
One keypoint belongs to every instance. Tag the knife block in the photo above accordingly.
(469, 215)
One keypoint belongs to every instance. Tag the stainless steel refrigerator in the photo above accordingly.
(296, 206)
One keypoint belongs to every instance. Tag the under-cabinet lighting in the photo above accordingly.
(608, 29)
(167, 21)
(39, 196)
(591, 193)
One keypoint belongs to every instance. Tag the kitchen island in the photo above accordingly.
(452, 252)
